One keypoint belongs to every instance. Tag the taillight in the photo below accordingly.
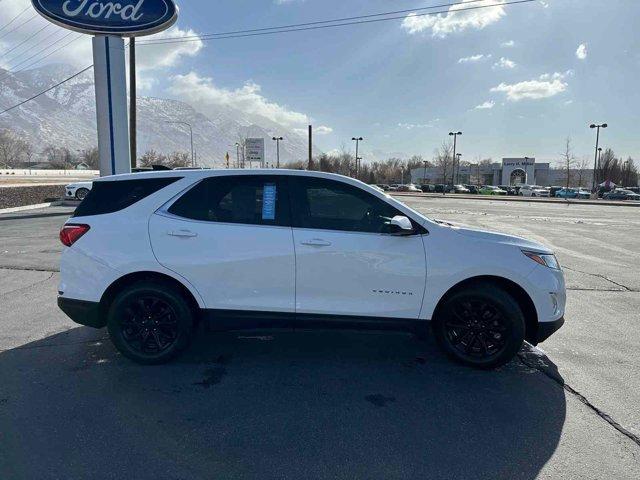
(70, 234)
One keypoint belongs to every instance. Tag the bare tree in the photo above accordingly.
(91, 157)
(179, 160)
(151, 158)
(443, 159)
(568, 160)
(60, 158)
(583, 168)
(12, 149)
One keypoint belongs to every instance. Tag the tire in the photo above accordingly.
(82, 193)
(481, 326)
(150, 322)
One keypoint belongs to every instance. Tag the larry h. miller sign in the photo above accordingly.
(109, 22)
(255, 150)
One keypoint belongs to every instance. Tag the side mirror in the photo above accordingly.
(401, 225)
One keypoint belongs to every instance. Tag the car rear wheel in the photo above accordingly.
(82, 193)
(481, 326)
(150, 323)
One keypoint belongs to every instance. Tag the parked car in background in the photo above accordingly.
(377, 187)
(383, 186)
(428, 188)
(510, 190)
(473, 189)
(459, 189)
(393, 188)
(554, 190)
(533, 191)
(634, 189)
(279, 249)
(439, 188)
(491, 190)
(409, 188)
(621, 194)
(78, 190)
(579, 193)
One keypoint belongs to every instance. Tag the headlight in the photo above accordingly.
(543, 259)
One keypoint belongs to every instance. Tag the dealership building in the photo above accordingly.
(512, 171)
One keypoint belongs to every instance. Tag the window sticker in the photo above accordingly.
(269, 201)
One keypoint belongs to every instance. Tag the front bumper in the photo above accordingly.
(546, 329)
(82, 312)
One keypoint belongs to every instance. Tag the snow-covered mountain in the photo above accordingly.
(66, 117)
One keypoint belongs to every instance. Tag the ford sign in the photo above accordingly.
(120, 17)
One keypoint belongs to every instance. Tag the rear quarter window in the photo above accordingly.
(111, 197)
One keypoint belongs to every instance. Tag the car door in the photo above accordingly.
(346, 263)
(230, 237)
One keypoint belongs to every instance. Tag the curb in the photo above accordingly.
(28, 207)
(498, 198)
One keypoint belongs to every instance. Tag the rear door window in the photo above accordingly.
(244, 199)
(113, 196)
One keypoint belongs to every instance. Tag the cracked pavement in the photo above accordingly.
(330, 404)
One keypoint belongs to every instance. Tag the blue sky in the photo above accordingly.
(517, 80)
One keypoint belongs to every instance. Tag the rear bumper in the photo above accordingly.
(81, 312)
(546, 329)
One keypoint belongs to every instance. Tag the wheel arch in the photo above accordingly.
(131, 278)
(516, 291)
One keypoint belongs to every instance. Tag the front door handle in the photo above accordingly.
(182, 234)
(316, 242)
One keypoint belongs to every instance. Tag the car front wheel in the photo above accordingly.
(150, 322)
(481, 326)
(82, 193)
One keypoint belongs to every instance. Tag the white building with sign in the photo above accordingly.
(512, 171)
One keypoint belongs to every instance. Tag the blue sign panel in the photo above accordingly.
(269, 201)
(115, 17)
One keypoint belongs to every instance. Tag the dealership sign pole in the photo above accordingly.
(110, 22)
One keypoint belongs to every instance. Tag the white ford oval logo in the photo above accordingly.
(115, 17)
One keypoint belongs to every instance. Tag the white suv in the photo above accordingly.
(533, 191)
(151, 255)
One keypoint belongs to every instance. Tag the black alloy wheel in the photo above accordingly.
(481, 327)
(149, 325)
(150, 322)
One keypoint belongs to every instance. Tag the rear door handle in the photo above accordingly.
(182, 234)
(316, 242)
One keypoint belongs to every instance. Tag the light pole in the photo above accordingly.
(599, 160)
(357, 140)
(237, 155)
(595, 161)
(193, 157)
(455, 138)
(458, 155)
(424, 175)
(277, 140)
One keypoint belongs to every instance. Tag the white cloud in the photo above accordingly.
(453, 21)
(508, 44)
(322, 130)
(201, 91)
(411, 126)
(545, 86)
(319, 130)
(153, 57)
(474, 58)
(489, 104)
(505, 63)
(581, 52)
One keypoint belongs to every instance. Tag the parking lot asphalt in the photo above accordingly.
(330, 404)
